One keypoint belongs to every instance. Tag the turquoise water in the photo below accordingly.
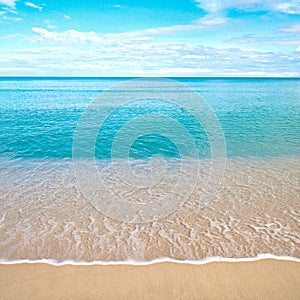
(53, 207)
(259, 117)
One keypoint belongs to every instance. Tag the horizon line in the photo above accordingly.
(104, 77)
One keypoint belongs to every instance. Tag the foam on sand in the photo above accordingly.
(261, 279)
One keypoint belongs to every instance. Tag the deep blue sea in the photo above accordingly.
(259, 117)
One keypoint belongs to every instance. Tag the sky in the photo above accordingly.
(161, 38)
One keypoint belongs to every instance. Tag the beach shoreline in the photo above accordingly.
(259, 279)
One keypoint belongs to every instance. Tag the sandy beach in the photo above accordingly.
(263, 279)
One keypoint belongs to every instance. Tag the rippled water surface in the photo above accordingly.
(45, 215)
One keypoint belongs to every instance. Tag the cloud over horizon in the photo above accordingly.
(211, 38)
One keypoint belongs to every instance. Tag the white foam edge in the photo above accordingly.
(155, 261)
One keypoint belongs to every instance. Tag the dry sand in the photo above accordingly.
(263, 279)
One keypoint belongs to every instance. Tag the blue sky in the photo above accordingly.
(150, 38)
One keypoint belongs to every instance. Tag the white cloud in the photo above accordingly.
(194, 56)
(263, 40)
(213, 21)
(50, 25)
(66, 36)
(7, 9)
(291, 7)
(289, 37)
(8, 18)
(90, 36)
(291, 29)
(9, 3)
(217, 6)
(12, 69)
(182, 71)
(138, 53)
(32, 5)
(272, 74)
(144, 53)
(67, 17)
(112, 6)
(146, 58)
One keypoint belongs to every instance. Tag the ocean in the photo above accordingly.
(117, 169)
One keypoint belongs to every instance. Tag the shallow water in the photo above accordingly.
(45, 215)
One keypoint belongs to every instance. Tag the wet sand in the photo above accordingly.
(263, 279)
